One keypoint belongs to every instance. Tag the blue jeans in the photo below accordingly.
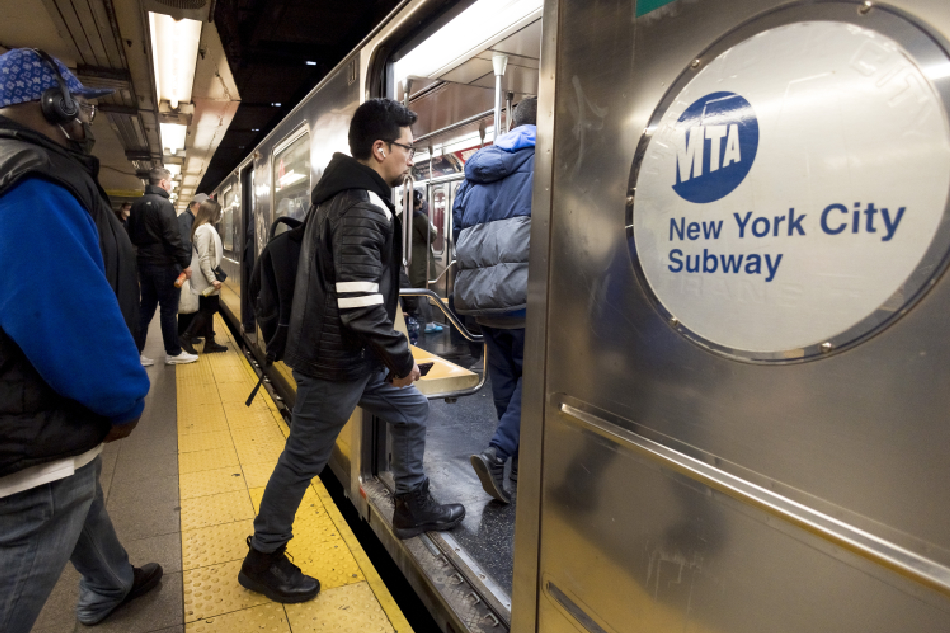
(157, 285)
(42, 528)
(321, 410)
(505, 359)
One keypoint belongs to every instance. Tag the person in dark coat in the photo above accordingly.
(492, 226)
(345, 351)
(161, 254)
(422, 267)
(70, 377)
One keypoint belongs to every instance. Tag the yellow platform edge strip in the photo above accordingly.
(210, 400)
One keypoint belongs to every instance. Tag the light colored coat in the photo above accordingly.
(205, 256)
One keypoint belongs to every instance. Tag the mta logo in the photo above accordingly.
(716, 140)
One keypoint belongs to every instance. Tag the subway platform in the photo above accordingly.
(183, 491)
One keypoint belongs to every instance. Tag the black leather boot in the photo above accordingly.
(417, 512)
(276, 577)
(490, 469)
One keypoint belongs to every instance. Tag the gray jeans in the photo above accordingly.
(321, 410)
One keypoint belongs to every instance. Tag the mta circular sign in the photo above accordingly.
(790, 197)
(717, 137)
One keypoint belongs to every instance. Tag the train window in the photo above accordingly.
(292, 179)
(438, 208)
(227, 219)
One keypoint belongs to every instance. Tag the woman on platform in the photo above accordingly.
(205, 258)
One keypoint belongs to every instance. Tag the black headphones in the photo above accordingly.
(57, 104)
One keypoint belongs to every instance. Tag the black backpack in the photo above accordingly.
(271, 289)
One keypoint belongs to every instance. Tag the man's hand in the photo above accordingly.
(187, 272)
(405, 381)
(217, 285)
(119, 431)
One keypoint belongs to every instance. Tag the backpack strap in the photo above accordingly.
(291, 223)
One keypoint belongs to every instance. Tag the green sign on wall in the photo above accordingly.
(645, 6)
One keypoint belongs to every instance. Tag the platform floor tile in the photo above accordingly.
(215, 544)
(350, 609)
(267, 618)
(215, 509)
(206, 418)
(214, 590)
(204, 441)
(213, 459)
(211, 482)
(257, 475)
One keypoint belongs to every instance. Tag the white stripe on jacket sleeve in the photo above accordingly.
(359, 302)
(357, 286)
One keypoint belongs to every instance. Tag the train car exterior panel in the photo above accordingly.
(858, 437)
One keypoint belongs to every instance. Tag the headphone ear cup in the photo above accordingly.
(57, 107)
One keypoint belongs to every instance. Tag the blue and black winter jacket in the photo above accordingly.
(492, 227)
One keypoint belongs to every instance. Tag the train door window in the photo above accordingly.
(231, 202)
(292, 177)
(438, 207)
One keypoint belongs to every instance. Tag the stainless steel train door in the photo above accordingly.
(735, 416)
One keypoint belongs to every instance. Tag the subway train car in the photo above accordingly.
(736, 397)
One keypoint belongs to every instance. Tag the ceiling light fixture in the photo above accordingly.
(173, 136)
(174, 56)
(470, 32)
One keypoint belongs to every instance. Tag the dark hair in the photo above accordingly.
(377, 120)
(527, 112)
(157, 175)
(126, 204)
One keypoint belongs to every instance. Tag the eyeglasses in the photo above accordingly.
(89, 110)
(409, 148)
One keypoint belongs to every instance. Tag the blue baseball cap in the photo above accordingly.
(24, 75)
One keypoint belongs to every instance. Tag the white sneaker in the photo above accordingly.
(146, 361)
(181, 359)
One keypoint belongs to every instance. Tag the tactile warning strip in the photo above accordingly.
(336, 611)
(227, 452)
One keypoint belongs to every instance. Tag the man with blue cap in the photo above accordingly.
(70, 376)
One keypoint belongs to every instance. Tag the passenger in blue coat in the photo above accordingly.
(492, 226)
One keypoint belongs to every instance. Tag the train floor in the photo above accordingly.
(183, 490)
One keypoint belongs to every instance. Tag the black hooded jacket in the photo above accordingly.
(347, 289)
(153, 227)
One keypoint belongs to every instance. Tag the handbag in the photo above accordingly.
(219, 274)
(188, 302)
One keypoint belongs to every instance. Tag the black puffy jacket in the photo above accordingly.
(154, 230)
(37, 425)
(347, 289)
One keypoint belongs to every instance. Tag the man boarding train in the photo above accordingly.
(344, 350)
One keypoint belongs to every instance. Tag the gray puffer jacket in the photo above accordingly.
(492, 228)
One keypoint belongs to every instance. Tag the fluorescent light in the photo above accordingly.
(290, 178)
(276, 105)
(255, 129)
(311, 63)
(937, 71)
(173, 136)
(174, 54)
(470, 32)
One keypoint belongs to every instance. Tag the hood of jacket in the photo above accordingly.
(344, 173)
(504, 158)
